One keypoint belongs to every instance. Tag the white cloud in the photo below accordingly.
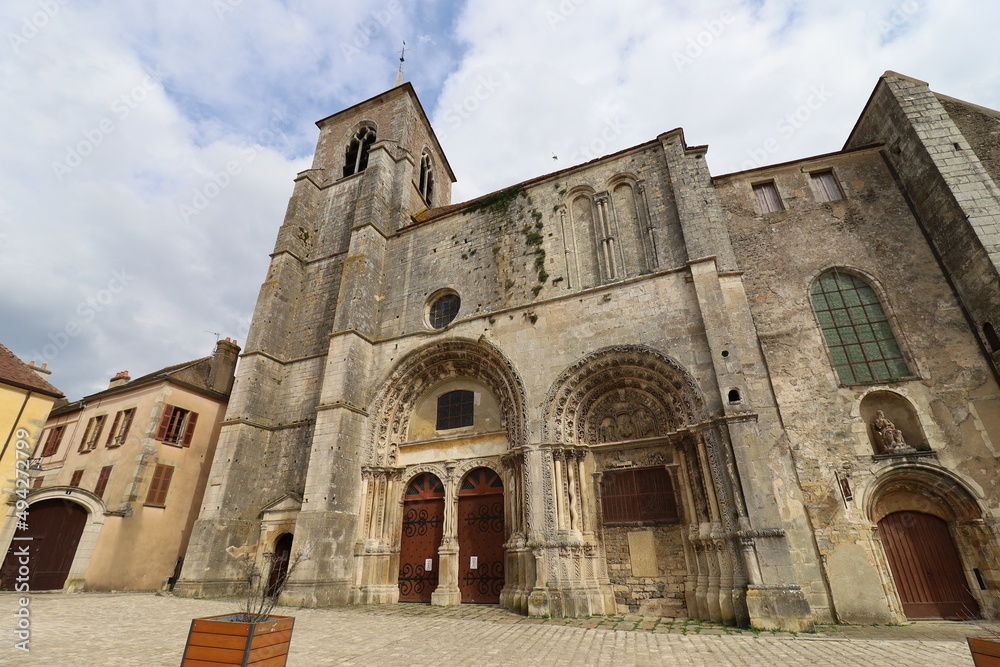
(165, 98)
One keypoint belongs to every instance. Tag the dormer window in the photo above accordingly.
(357, 151)
(426, 178)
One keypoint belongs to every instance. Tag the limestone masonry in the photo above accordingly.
(767, 398)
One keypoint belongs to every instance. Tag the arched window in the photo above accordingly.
(357, 151)
(426, 178)
(992, 339)
(455, 409)
(856, 329)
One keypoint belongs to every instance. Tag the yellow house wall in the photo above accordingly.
(14, 424)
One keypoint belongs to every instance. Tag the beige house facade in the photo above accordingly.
(630, 385)
(118, 477)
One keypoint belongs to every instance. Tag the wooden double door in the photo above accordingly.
(479, 524)
(926, 567)
(51, 536)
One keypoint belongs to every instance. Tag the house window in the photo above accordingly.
(444, 310)
(857, 332)
(767, 198)
(638, 494)
(102, 481)
(37, 482)
(120, 427)
(157, 495)
(827, 187)
(75, 479)
(455, 409)
(177, 426)
(426, 178)
(52, 440)
(93, 433)
(356, 159)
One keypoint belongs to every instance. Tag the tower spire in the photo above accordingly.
(399, 74)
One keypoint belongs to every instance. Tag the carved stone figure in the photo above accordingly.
(887, 436)
(608, 430)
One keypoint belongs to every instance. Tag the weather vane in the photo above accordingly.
(399, 74)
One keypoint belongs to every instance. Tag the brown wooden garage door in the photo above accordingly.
(926, 567)
(55, 527)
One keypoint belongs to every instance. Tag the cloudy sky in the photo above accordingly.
(121, 247)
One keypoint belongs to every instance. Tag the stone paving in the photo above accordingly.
(140, 630)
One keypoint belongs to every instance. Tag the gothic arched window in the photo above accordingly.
(856, 329)
(426, 178)
(356, 159)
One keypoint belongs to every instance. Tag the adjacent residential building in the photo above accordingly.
(119, 477)
(26, 397)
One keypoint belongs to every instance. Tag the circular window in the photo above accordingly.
(444, 309)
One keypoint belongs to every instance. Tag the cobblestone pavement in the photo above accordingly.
(147, 629)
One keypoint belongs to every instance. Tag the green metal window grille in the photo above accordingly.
(861, 342)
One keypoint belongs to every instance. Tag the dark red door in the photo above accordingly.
(54, 528)
(280, 556)
(926, 567)
(480, 536)
(423, 527)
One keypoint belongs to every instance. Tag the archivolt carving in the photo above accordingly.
(422, 369)
(471, 464)
(618, 393)
(411, 473)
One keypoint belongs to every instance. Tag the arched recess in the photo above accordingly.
(619, 393)
(424, 368)
(931, 530)
(68, 563)
(898, 427)
(631, 225)
(585, 236)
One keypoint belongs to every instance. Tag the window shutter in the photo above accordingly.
(126, 426)
(157, 494)
(52, 441)
(77, 476)
(102, 481)
(114, 427)
(168, 412)
(189, 431)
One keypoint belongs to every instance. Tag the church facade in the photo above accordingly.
(768, 398)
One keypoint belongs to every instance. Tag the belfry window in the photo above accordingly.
(455, 409)
(357, 151)
(426, 178)
(856, 329)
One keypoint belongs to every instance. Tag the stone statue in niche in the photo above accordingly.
(887, 436)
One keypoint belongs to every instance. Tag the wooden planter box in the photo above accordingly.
(219, 640)
(985, 651)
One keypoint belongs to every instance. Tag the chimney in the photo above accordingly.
(119, 379)
(41, 371)
(224, 366)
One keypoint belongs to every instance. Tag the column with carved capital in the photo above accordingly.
(447, 592)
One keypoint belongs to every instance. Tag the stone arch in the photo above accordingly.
(468, 465)
(412, 472)
(422, 369)
(921, 488)
(621, 380)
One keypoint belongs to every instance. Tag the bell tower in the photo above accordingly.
(294, 423)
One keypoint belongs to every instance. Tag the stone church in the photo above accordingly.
(765, 398)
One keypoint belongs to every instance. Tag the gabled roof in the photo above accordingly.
(15, 372)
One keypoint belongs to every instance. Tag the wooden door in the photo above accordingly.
(281, 555)
(926, 567)
(54, 528)
(423, 527)
(480, 536)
